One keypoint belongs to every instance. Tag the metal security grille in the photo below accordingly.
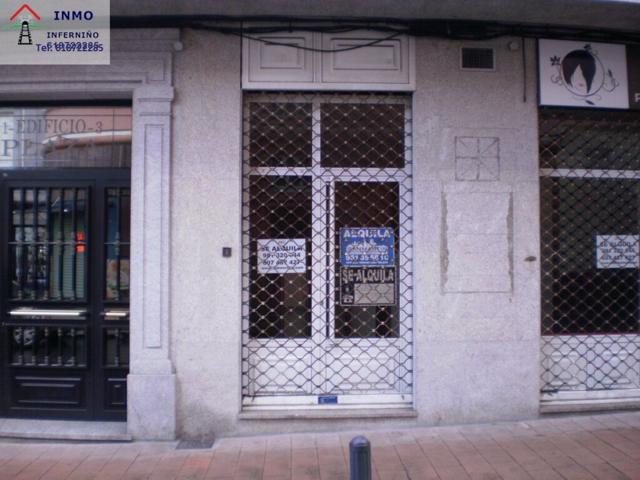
(48, 242)
(314, 322)
(590, 201)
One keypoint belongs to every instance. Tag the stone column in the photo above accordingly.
(151, 382)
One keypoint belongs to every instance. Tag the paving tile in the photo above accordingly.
(575, 472)
(415, 462)
(196, 466)
(385, 474)
(168, 467)
(277, 463)
(304, 464)
(629, 468)
(452, 473)
(604, 471)
(223, 464)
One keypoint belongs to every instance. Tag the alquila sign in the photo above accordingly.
(591, 75)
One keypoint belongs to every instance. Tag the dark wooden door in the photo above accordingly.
(64, 293)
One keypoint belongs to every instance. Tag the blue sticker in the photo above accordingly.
(327, 399)
(366, 247)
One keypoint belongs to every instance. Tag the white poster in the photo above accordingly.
(582, 74)
(282, 255)
(617, 251)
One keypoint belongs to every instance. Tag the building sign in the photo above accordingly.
(362, 246)
(583, 74)
(65, 136)
(633, 67)
(617, 251)
(282, 255)
(60, 32)
(367, 286)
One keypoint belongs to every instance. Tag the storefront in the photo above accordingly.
(225, 235)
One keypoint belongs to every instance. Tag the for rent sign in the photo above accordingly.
(366, 246)
(282, 255)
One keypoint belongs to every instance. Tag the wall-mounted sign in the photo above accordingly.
(282, 255)
(363, 246)
(633, 68)
(617, 251)
(583, 74)
(367, 286)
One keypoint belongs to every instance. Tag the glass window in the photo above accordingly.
(280, 215)
(279, 134)
(63, 137)
(362, 135)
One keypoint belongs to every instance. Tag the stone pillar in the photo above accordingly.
(151, 382)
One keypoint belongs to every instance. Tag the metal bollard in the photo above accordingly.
(360, 458)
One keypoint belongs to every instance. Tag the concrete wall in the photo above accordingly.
(476, 221)
(206, 203)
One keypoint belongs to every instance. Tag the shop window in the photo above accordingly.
(590, 245)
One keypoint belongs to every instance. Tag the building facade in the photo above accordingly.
(374, 229)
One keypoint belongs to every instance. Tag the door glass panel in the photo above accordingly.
(280, 134)
(117, 244)
(370, 205)
(48, 244)
(363, 135)
(48, 346)
(280, 222)
(63, 137)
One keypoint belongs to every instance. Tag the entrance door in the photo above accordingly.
(321, 327)
(65, 293)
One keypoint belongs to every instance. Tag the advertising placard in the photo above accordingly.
(617, 251)
(282, 255)
(583, 74)
(366, 246)
(367, 286)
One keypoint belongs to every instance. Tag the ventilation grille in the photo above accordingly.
(478, 59)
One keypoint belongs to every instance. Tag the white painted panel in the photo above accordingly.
(477, 245)
(614, 362)
(351, 371)
(280, 369)
(387, 65)
(277, 62)
(564, 363)
(384, 62)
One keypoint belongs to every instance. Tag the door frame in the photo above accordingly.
(322, 290)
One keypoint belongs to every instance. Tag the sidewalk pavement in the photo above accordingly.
(605, 446)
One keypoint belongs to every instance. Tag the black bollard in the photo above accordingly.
(360, 458)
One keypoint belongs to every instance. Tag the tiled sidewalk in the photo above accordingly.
(578, 447)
